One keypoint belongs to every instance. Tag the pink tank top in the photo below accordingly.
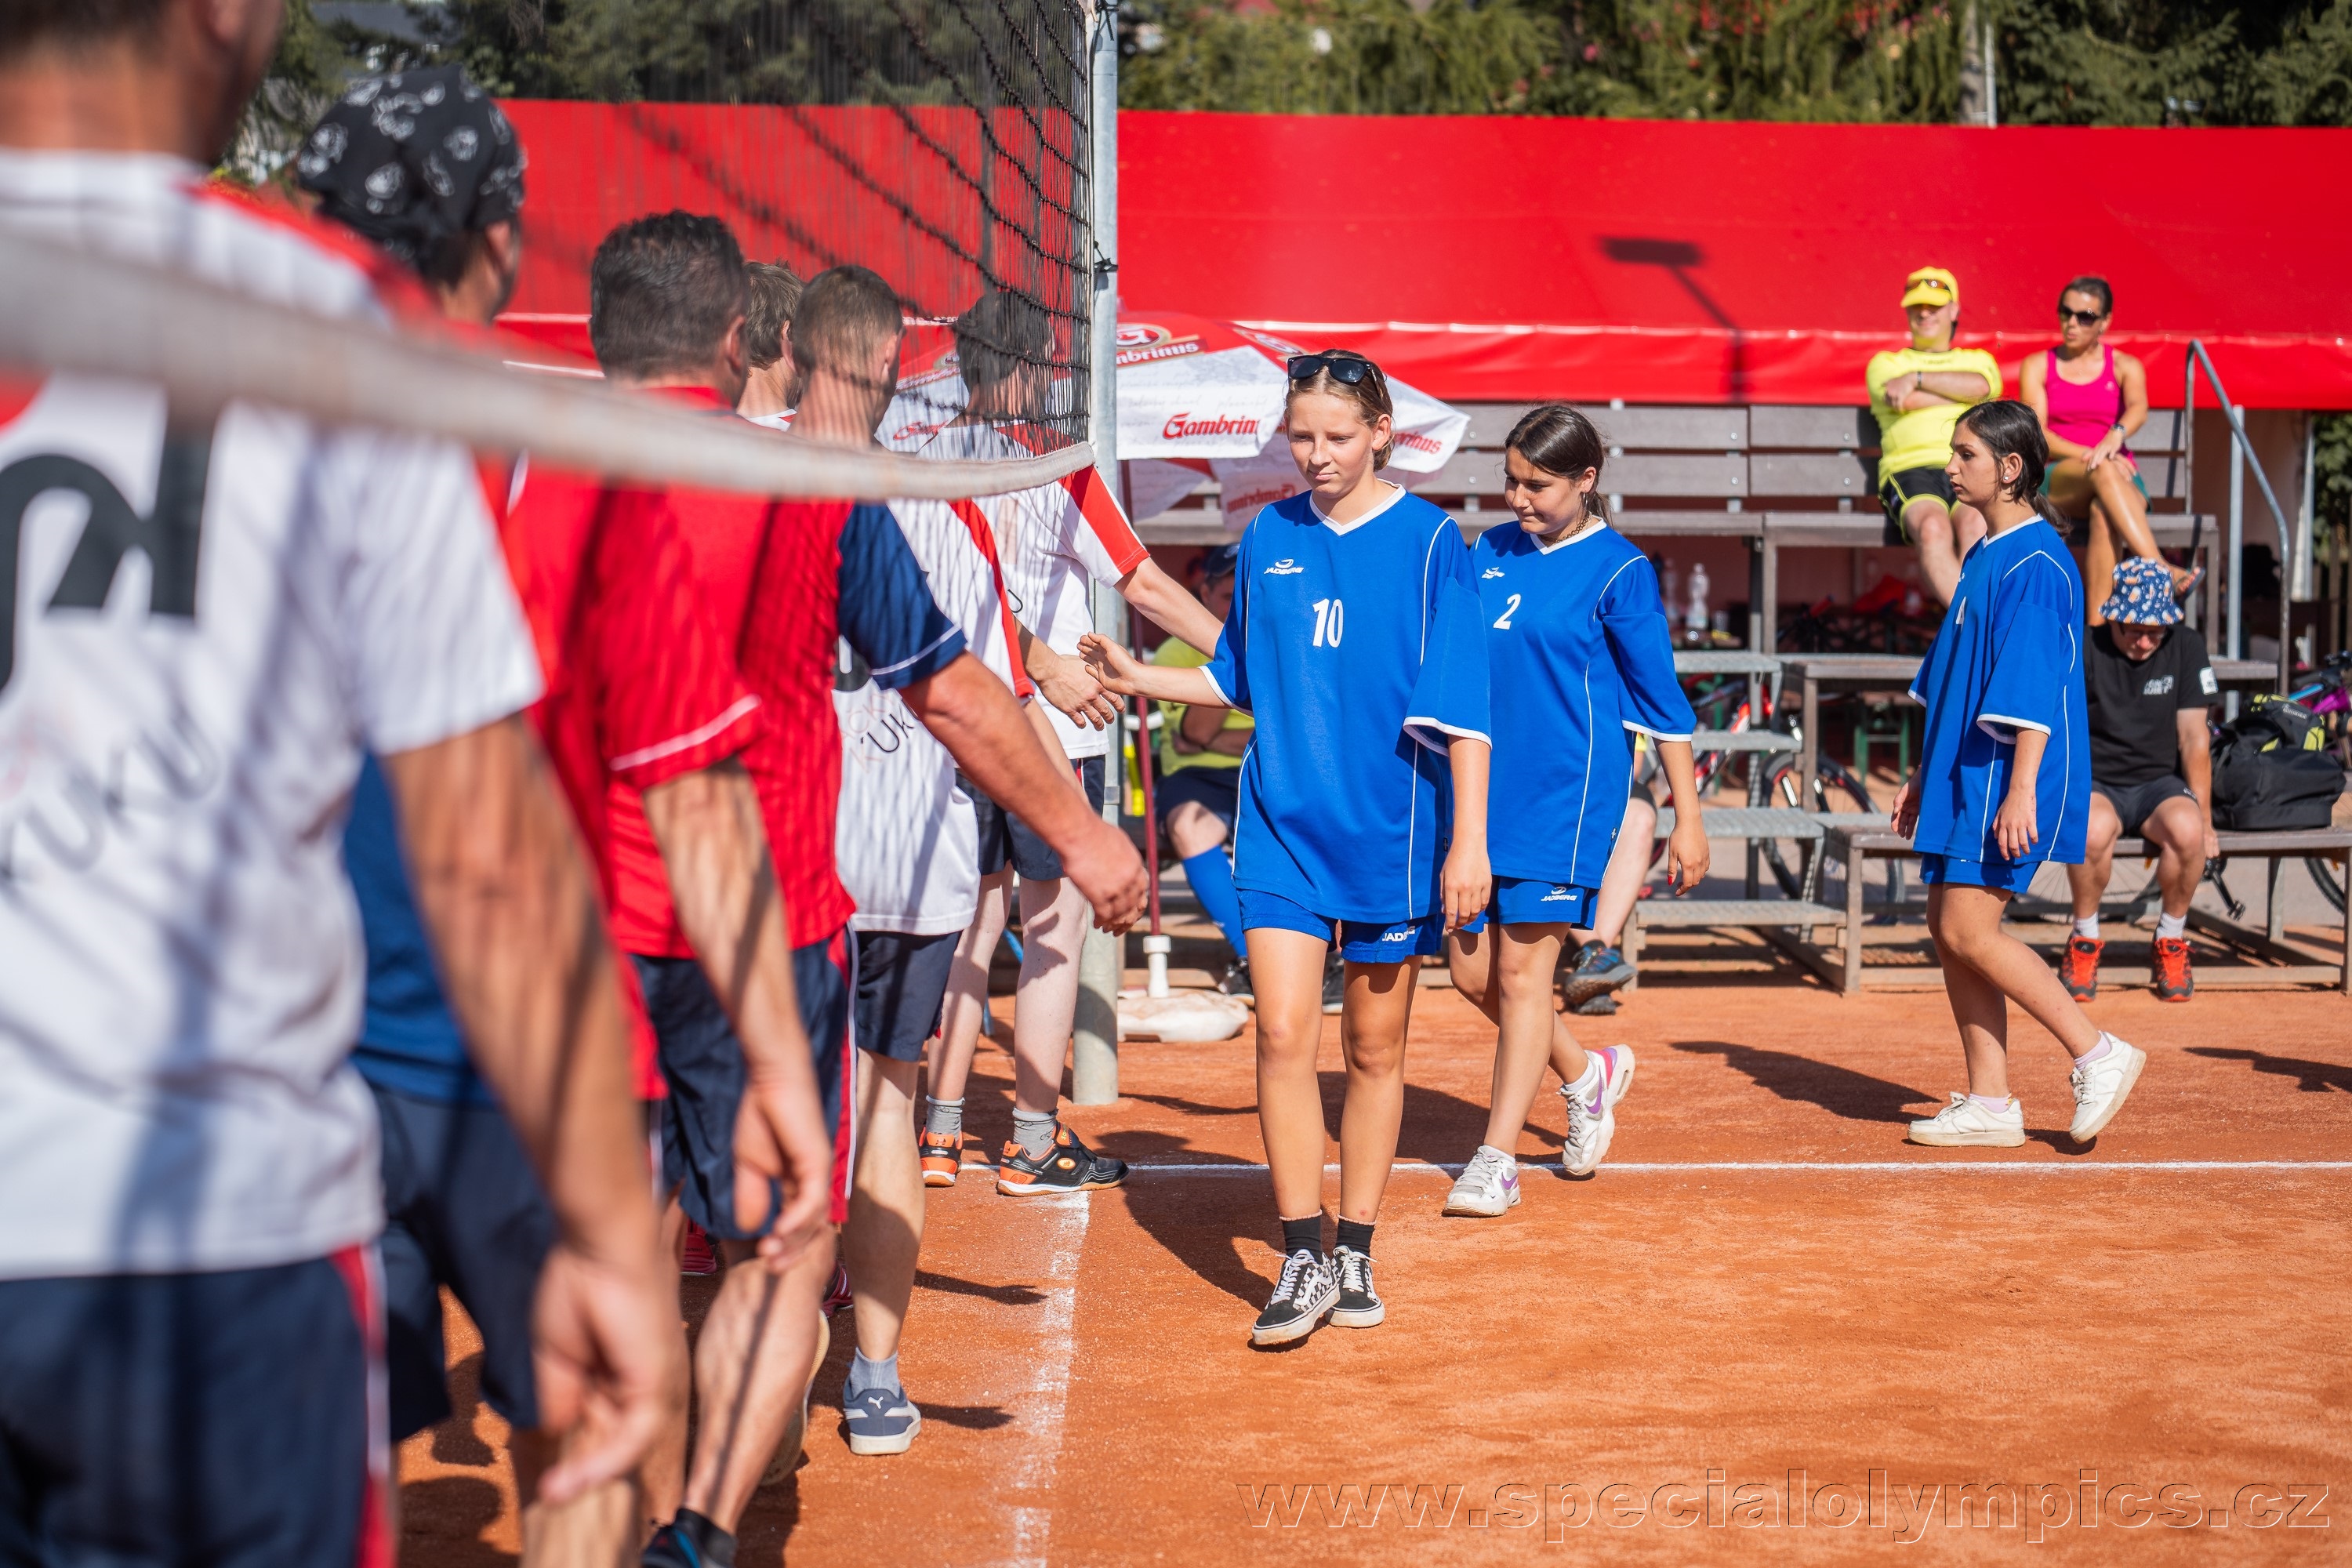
(2083, 413)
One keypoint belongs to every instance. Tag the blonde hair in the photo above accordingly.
(1370, 395)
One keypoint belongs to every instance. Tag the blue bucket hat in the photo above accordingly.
(2143, 595)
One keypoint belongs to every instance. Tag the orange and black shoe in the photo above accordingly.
(2078, 967)
(2168, 961)
(942, 1157)
(1065, 1166)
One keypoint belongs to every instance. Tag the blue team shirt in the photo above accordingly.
(1356, 649)
(1579, 657)
(409, 1041)
(2008, 656)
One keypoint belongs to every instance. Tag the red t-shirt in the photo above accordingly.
(640, 689)
(790, 584)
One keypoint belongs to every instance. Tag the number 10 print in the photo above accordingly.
(1330, 618)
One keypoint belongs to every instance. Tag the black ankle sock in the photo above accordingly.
(712, 1545)
(1303, 1235)
(1356, 1236)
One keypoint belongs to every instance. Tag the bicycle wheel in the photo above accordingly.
(2331, 882)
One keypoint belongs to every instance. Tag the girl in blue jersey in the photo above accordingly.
(1353, 640)
(2004, 783)
(1579, 659)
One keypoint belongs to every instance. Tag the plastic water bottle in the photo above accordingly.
(1695, 614)
(1670, 584)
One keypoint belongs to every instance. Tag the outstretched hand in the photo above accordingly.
(1110, 663)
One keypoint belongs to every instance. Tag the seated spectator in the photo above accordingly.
(1200, 762)
(2091, 400)
(1919, 393)
(2148, 684)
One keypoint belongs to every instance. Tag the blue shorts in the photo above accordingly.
(1523, 901)
(1360, 941)
(902, 988)
(462, 1208)
(1216, 791)
(702, 1062)
(2001, 876)
(224, 1418)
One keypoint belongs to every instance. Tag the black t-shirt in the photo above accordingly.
(2135, 738)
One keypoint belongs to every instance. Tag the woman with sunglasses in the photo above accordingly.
(1355, 641)
(2091, 400)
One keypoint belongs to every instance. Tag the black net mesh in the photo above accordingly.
(943, 143)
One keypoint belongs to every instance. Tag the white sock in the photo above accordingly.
(2094, 1053)
(1991, 1102)
(2087, 928)
(2171, 928)
(1590, 1082)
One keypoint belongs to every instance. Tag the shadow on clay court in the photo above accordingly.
(1002, 1295)
(442, 1521)
(2311, 1077)
(1856, 1096)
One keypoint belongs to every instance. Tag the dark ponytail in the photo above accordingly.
(1559, 440)
(2009, 429)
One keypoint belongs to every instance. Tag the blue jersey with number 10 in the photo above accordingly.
(1356, 649)
(1579, 658)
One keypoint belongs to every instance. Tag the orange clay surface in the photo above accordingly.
(1677, 1361)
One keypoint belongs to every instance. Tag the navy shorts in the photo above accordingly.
(1360, 941)
(1216, 791)
(902, 988)
(1005, 839)
(702, 1063)
(462, 1208)
(223, 1418)
(1521, 901)
(2135, 804)
(2001, 876)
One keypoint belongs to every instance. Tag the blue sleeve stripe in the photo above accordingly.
(953, 633)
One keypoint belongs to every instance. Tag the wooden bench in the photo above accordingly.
(2287, 964)
(1778, 920)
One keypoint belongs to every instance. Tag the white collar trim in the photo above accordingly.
(1396, 493)
(1595, 532)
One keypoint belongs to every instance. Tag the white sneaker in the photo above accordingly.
(1966, 1123)
(1489, 1185)
(1589, 1131)
(1618, 1065)
(2101, 1086)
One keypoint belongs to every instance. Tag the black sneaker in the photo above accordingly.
(1359, 1306)
(1302, 1299)
(1598, 971)
(1335, 983)
(1065, 1166)
(1236, 981)
(690, 1541)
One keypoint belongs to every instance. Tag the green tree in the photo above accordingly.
(1339, 57)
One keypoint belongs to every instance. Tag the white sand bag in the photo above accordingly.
(1181, 1017)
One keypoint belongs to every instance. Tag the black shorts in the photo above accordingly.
(1216, 791)
(902, 988)
(702, 1062)
(1902, 489)
(1005, 839)
(2135, 804)
(462, 1208)
(222, 1418)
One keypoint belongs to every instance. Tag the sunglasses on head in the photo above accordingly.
(1346, 369)
(2080, 318)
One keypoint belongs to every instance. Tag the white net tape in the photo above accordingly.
(207, 346)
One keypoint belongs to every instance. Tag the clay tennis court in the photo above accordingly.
(1766, 1307)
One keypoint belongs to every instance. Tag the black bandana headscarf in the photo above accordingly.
(416, 162)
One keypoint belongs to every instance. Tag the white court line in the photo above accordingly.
(1038, 1410)
(1900, 1167)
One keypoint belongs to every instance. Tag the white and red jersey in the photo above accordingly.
(1056, 541)
(210, 617)
(906, 839)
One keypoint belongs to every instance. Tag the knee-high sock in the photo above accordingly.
(1211, 876)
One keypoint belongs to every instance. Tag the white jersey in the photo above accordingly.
(1056, 541)
(210, 618)
(907, 840)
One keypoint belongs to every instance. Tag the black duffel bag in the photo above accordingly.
(2271, 772)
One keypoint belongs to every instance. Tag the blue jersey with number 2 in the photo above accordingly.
(1579, 658)
(2009, 656)
(1356, 649)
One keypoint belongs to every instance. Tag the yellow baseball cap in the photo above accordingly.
(1930, 286)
